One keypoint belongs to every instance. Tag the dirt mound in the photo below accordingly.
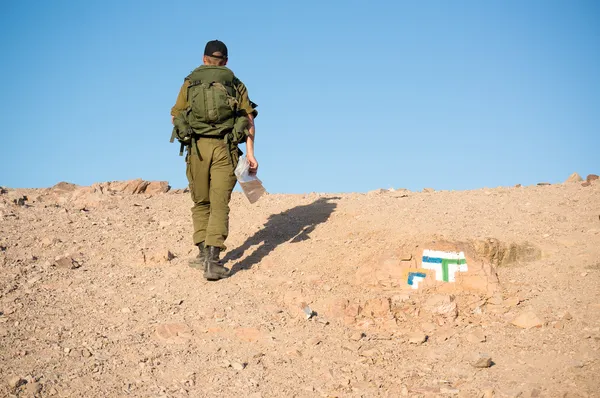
(492, 292)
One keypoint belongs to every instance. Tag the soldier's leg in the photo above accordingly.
(222, 181)
(199, 179)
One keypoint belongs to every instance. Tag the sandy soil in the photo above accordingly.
(97, 299)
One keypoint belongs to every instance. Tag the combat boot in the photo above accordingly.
(213, 270)
(199, 262)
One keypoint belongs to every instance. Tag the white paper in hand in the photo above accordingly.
(251, 185)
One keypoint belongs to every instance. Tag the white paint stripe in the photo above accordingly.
(441, 254)
(416, 280)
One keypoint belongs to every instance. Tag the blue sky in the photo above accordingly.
(353, 95)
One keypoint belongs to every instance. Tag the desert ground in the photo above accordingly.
(97, 298)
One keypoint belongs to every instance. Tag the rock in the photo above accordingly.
(33, 389)
(21, 200)
(428, 327)
(480, 360)
(566, 316)
(417, 338)
(428, 190)
(294, 353)
(535, 393)
(377, 308)
(47, 242)
(444, 305)
(64, 187)
(173, 333)
(66, 262)
(577, 364)
(476, 336)
(487, 393)
(378, 191)
(238, 366)
(369, 352)
(155, 187)
(512, 302)
(574, 178)
(249, 335)
(445, 334)
(449, 391)
(155, 256)
(528, 320)
(501, 254)
(16, 381)
(591, 177)
(85, 353)
(541, 184)
(357, 336)
(585, 184)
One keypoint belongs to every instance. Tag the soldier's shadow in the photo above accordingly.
(293, 225)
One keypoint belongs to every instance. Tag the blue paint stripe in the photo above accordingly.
(434, 260)
(412, 275)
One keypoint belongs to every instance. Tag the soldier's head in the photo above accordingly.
(215, 53)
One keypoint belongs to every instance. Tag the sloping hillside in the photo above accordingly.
(97, 300)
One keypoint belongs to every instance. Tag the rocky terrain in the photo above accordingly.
(331, 295)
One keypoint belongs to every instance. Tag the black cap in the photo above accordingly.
(216, 46)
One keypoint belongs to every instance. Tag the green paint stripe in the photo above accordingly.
(462, 261)
(445, 276)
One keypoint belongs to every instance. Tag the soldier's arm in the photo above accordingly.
(248, 108)
(181, 102)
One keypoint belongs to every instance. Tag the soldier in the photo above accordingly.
(212, 115)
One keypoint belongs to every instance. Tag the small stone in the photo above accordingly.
(404, 390)
(66, 262)
(487, 393)
(369, 353)
(16, 382)
(577, 364)
(428, 190)
(313, 341)
(238, 366)
(449, 391)
(417, 338)
(445, 334)
(67, 350)
(512, 302)
(541, 184)
(528, 320)
(294, 353)
(356, 336)
(480, 360)
(428, 327)
(85, 353)
(566, 316)
(584, 274)
(125, 310)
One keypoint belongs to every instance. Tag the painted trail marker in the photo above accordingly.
(414, 278)
(445, 264)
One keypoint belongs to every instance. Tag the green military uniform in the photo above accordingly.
(210, 172)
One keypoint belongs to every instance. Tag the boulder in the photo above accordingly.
(155, 187)
(574, 178)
